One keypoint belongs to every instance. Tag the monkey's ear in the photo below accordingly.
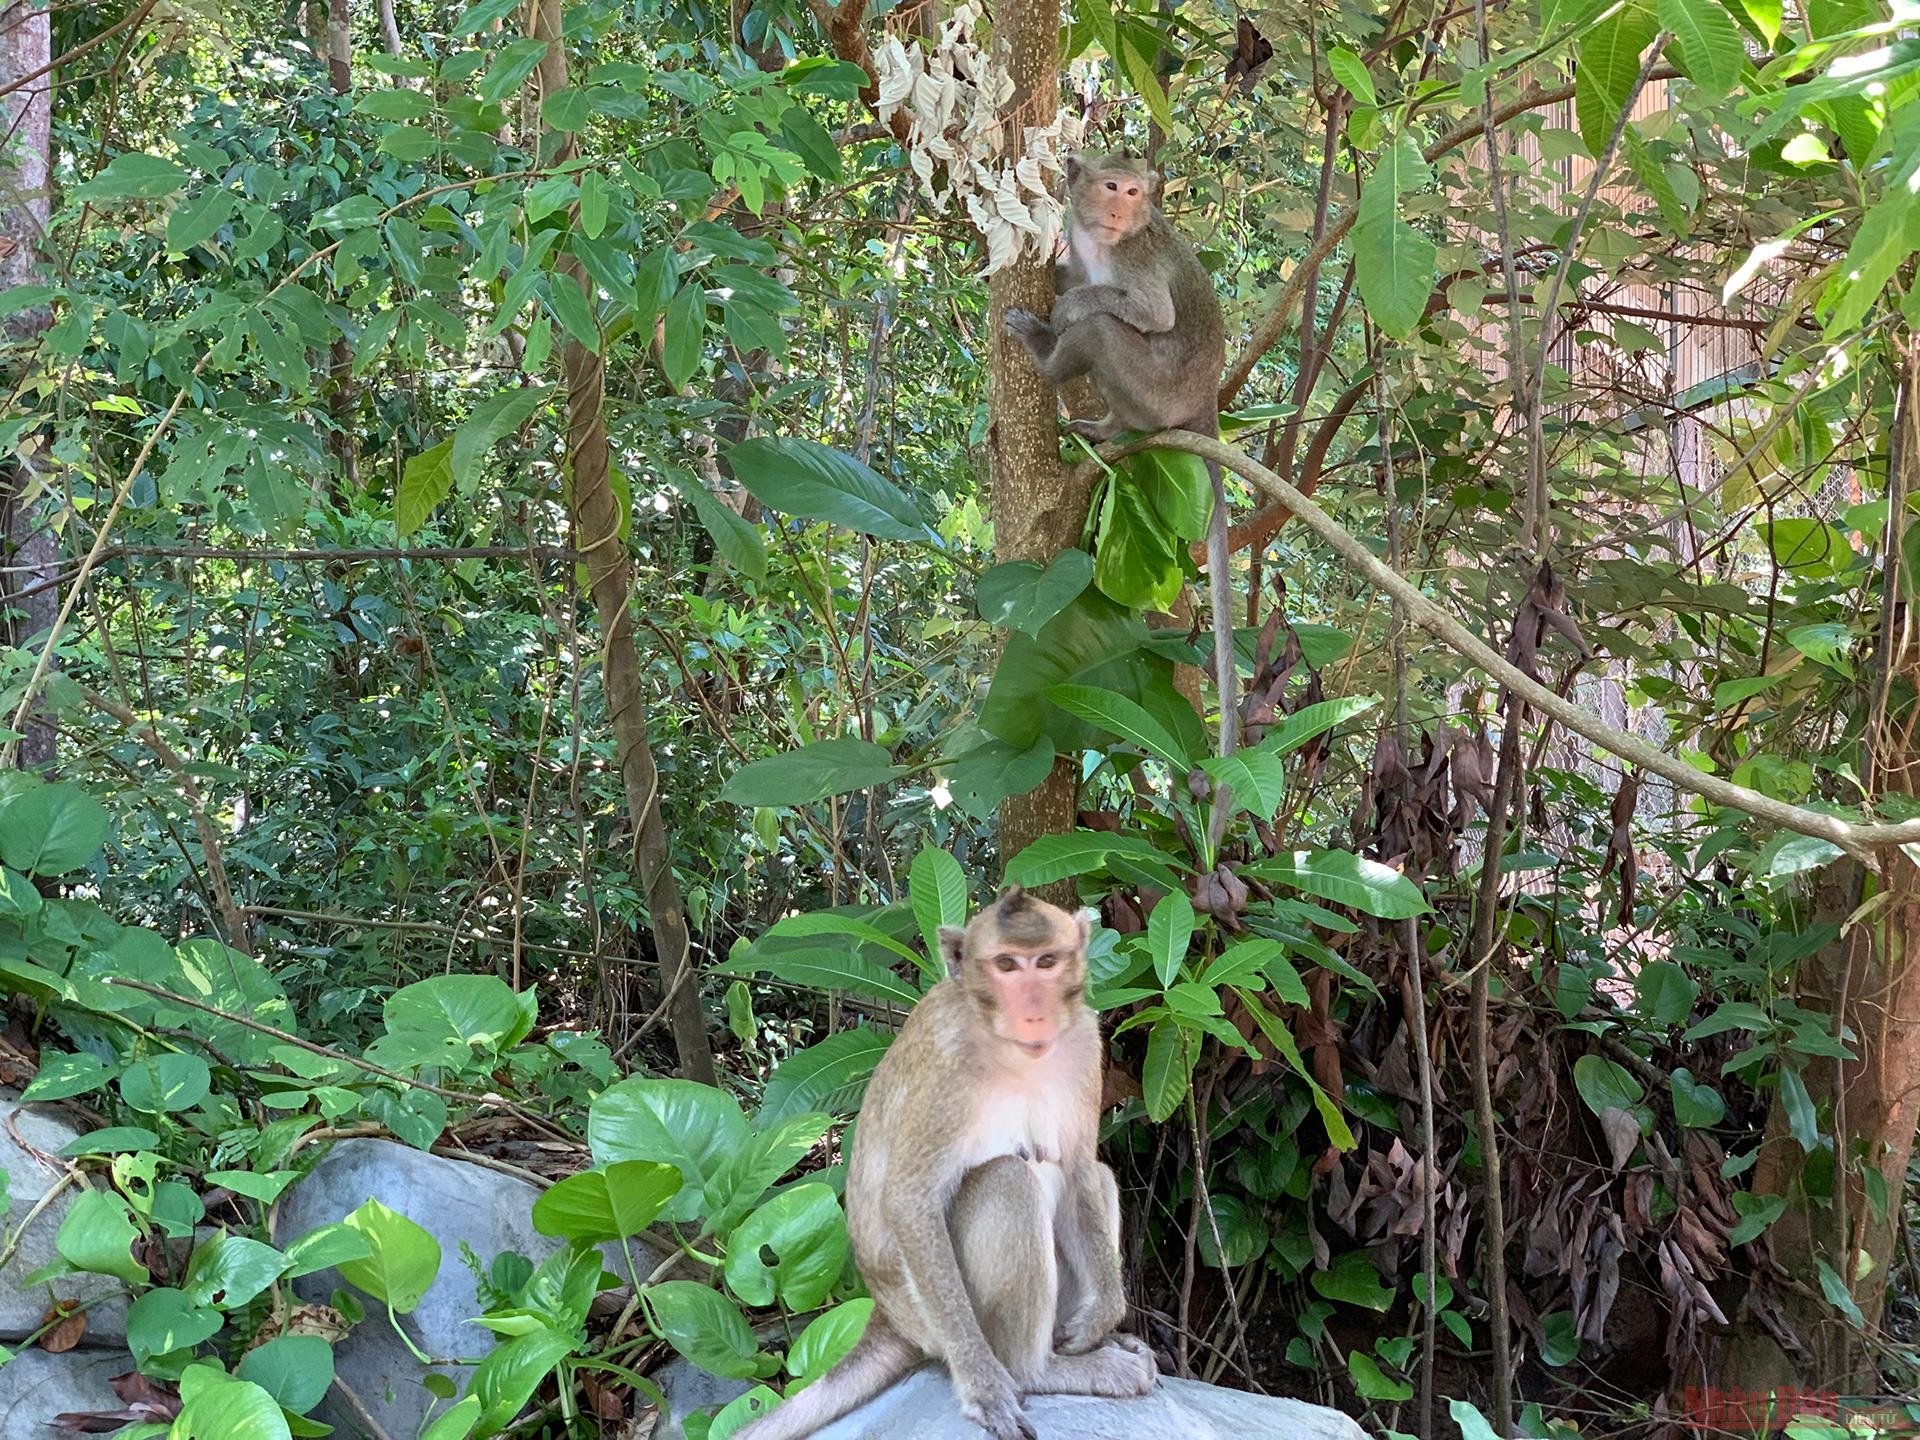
(1152, 178)
(1073, 168)
(1013, 896)
(953, 942)
(1083, 919)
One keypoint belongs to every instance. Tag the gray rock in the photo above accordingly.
(36, 1386)
(456, 1203)
(922, 1406)
(28, 1179)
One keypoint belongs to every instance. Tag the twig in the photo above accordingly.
(1856, 839)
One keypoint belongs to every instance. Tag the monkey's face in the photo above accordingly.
(1024, 962)
(1111, 196)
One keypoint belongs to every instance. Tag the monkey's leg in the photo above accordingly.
(1123, 1367)
(1087, 1236)
(1002, 1223)
(880, 1358)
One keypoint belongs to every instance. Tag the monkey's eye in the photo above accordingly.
(1006, 964)
(1045, 962)
(1113, 185)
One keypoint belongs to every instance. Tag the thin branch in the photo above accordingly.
(1859, 840)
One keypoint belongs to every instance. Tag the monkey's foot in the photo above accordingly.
(1095, 430)
(1085, 1331)
(1000, 1415)
(1121, 1368)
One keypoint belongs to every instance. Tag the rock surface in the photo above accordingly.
(922, 1407)
(456, 1203)
(36, 1386)
(28, 1179)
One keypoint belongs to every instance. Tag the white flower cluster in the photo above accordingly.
(953, 94)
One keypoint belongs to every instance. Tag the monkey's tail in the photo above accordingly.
(881, 1357)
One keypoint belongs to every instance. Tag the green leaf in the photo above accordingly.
(1666, 993)
(425, 480)
(326, 1247)
(199, 219)
(479, 1011)
(1710, 43)
(1137, 562)
(1695, 1106)
(938, 887)
(1080, 852)
(492, 420)
(50, 829)
(1120, 716)
(684, 342)
(811, 773)
(505, 1381)
(815, 482)
(481, 14)
(112, 1140)
(512, 64)
(262, 1186)
(1393, 262)
(803, 1229)
(1242, 1233)
(772, 1151)
(1256, 778)
(825, 1342)
(133, 177)
(692, 1127)
(1353, 1280)
(1168, 1071)
(1605, 1085)
(821, 968)
(827, 1076)
(1803, 1122)
(1351, 71)
(97, 1236)
(296, 1370)
(402, 1262)
(1020, 595)
(1346, 879)
(222, 1407)
(614, 1203)
(229, 1270)
(1606, 67)
(1372, 1382)
(457, 1423)
(704, 1326)
(812, 142)
(165, 1084)
(574, 303)
(1838, 1295)
(1169, 933)
(1756, 1213)
(738, 542)
(164, 1321)
(1175, 488)
(63, 1076)
(18, 898)
(569, 111)
(830, 922)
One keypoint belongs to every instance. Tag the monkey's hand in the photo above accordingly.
(989, 1398)
(1028, 327)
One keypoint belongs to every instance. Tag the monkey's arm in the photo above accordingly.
(1146, 305)
(1088, 1231)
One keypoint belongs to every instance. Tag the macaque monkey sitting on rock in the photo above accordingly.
(1136, 312)
(986, 1228)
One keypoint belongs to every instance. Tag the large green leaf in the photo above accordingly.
(98, 1236)
(938, 887)
(692, 1127)
(402, 1262)
(1081, 852)
(505, 1381)
(1091, 642)
(493, 419)
(1138, 561)
(1169, 933)
(821, 967)
(1710, 43)
(1606, 67)
(164, 1321)
(167, 1083)
(481, 1011)
(1393, 263)
(221, 1407)
(826, 1076)
(704, 1326)
(1171, 1054)
(738, 542)
(825, 1342)
(1120, 716)
(772, 1151)
(425, 480)
(50, 829)
(813, 772)
(1021, 595)
(685, 335)
(296, 1370)
(803, 1229)
(1346, 879)
(611, 1203)
(815, 482)
(229, 1270)
(133, 177)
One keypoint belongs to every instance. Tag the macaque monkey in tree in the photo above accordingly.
(1136, 312)
(985, 1227)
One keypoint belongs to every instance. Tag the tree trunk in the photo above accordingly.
(1036, 512)
(596, 524)
(340, 388)
(29, 553)
(339, 47)
(389, 29)
(1869, 979)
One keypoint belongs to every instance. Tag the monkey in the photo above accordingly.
(1135, 310)
(987, 1230)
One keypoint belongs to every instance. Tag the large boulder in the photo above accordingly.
(457, 1203)
(922, 1406)
(28, 1180)
(36, 1386)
